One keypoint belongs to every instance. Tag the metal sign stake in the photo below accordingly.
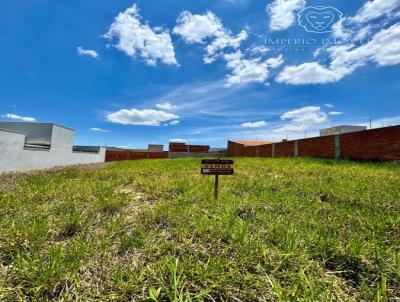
(216, 188)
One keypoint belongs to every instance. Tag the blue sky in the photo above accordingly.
(129, 73)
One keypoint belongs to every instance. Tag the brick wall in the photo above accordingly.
(251, 151)
(375, 144)
(235, 149)
(182, 147)
(284, 149)
(323, 146)
(119, 155)
(382, 143)
(265, 150)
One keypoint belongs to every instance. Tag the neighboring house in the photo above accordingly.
(32, 146)
(341, 129)
(244, 148)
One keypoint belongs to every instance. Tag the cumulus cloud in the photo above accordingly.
(166, 106)
(335, 113)
(220, 43)
(311, 73)
(87, 52)
(302, 119)
(207, 28)
(383, 49)
(244, 71)
(374, 9)
(258, 124)
(329, 105)
(100, 130)
(282, 13)
(224, 41)
(19, 118)
(355, 28)
(144, 117)
(134, 37)
(197, 28)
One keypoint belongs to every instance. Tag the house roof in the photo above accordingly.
(252, 143)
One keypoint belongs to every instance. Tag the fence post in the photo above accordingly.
(258, 151)
(296, 148)
(273, 150)
(337, 146)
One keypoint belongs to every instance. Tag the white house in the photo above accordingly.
(32, 146)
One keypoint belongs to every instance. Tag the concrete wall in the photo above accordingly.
(36, 133)
(155, 148)
(15, 157)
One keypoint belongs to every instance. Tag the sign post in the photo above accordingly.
(216, 188)
(216, 167)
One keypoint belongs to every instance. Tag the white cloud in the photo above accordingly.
(374, 9)
(19, 118)
(207, 29)
(99, 130)
(197, 28)
(166, 106)
(152, 44)
(383, 49)
(223, 41)
(355, 28)
(145, 117)
(258, 124)
(87, 52)
(311, 73)
(305, 115)
(335, 113)
(282, 13)
(259, 49)
(176, 122)
(329, 105)
(302, 119)
(244, 71)
(339, 31)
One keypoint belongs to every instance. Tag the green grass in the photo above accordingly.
(282, 230)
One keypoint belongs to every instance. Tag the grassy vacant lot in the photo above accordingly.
(283, 230)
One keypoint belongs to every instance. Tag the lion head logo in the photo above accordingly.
(319, 19)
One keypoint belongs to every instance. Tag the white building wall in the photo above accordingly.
(13, 156)
(11, 147)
